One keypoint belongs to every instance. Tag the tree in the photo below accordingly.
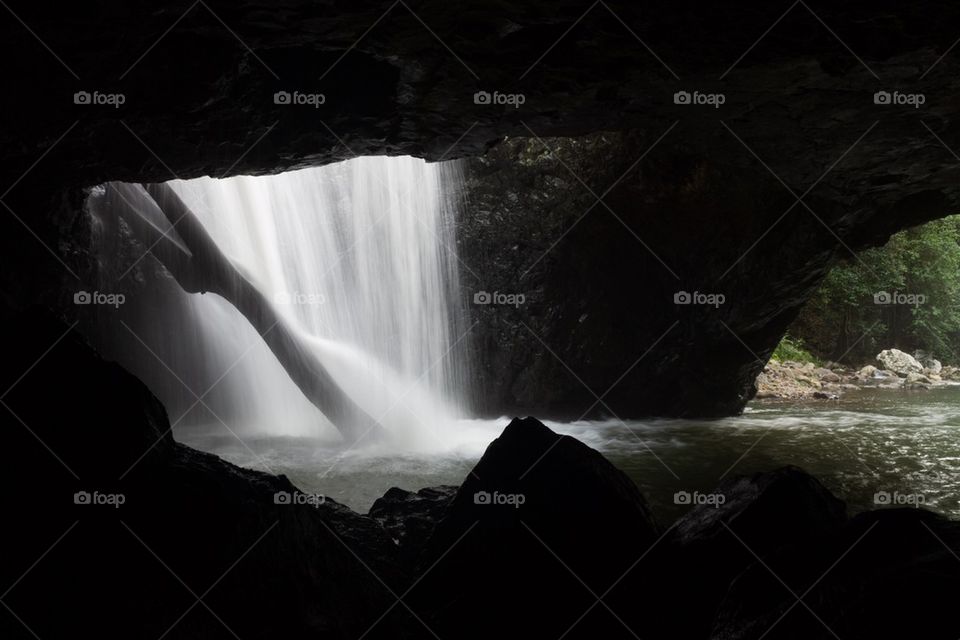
(905, 294)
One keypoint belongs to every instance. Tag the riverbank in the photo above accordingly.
(791, 380)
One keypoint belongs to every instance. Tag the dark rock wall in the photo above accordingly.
(598, 330)
(198, 79)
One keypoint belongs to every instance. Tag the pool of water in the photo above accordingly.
(868, 446)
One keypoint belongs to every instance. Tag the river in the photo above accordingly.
(871, 448)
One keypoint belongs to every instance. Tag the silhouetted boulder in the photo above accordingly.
(79, 414)
(766, 510)
(539, 525)
(743, 519)
(119, 530)
(892, 573)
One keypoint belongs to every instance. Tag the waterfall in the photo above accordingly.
(357, 256)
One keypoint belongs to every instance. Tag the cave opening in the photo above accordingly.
(268, 377)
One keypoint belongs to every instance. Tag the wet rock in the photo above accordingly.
(410, 517)
(917, 379)
(880, 378)
(867, 372)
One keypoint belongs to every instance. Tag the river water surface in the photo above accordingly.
(873, 446)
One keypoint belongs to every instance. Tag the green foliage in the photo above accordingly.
(792, 349)
(920, 269)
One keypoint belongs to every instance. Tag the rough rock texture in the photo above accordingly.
(410, 517)
(796, 380)
(914, 378)
(403, 81)
(899, 362)
(798, 119)
(621, 309)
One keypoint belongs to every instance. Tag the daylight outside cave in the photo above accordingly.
(427, 321)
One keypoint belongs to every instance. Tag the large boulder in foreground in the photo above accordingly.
(743, 519)
(765, 510)
(119, 529)
(892, 573)
(899, 362)
(541, 527)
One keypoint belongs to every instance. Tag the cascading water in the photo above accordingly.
(356, 257)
